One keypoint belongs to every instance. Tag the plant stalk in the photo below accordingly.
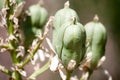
(29, 57)
(41, 70)
(68, 76)
(15, 74)
(5, 70)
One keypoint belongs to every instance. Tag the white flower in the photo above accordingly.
(38, 55)
(54, 63)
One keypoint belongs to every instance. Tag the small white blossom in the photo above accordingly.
(19, 9)
(41, 55)
(54, 63)
(38, 55)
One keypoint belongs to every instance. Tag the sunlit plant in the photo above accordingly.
(73, 45)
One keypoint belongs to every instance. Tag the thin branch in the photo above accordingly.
(5, 70)
(41, 70)
(29, 57)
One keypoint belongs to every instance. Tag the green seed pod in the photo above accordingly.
(38, 15)
(33, 24)
(71, 44)
(62, 16)
(96, 37)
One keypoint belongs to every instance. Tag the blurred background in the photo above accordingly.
(109, 14)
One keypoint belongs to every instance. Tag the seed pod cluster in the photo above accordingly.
(38, 15)
(62, 16)
(96, 37)
(34, 23)
(69, 38)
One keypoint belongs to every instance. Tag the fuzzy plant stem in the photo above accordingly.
(9, 13)
(11, 30)
(5, 70)
(15, 74)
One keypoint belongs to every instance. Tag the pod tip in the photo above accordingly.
(96, 18)
(41, 2)
(67, 4)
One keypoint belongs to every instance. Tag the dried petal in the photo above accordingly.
(2, 20)
(3, 50)
(101, 61)
(108, 74)
(71, 65)
(21, 51)
(62, 72)
(15, 20)
(11, 38)
(41, 55)
(74, 78)
(54, 63)
(12, 2)
(19, 9)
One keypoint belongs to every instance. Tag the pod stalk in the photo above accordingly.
(67, 4)
(96, 18)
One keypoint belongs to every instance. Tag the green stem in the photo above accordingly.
(38, 72)
(5, 70)
(9, 13)
(11, 30)
(68, 76)
(29, 57)
(15, 75)
(14, 57)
